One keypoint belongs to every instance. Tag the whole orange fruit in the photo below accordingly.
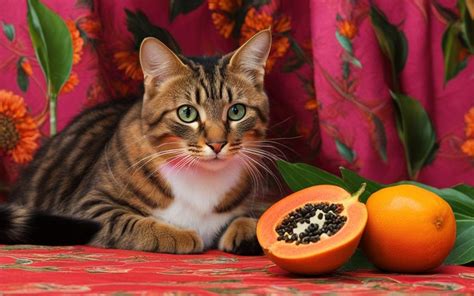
(409, 229)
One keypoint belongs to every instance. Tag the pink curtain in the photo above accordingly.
(328, 79)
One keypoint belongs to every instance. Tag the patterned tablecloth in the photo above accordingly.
(86, 270)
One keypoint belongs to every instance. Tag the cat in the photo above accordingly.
(170, 172)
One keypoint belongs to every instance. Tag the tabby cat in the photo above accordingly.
(166, 173)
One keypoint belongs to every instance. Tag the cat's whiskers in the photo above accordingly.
(252, 170)
(254, 174)
(158, 168)
(107, 157)
(180, 164)
(261, 154)
(154, 156)
(273, 142)
(151, 157)
(268, 149)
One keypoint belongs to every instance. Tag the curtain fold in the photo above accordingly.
(328, 77)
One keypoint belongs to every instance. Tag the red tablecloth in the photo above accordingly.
(85, 270)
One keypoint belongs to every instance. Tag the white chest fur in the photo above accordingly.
(196, 193)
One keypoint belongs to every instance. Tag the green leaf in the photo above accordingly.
(344, 42)
(357, 261)
(354, 61)
(346, 70)
(178, 7)
(415, 131)
(459, 202)
(139, 25)
(379, 137)
(460, 198)
(52, 43)
(354, 181)
(298, 51)
(345, 151)
(299, 176)
(466, 189)
(467, 26)
(452, 47)
(446, 13)
(392, 42)
(9, 31)
(463, 251)
(21, 78)
(298, 59)
(293, 63)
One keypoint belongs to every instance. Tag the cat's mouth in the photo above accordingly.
(213, 163)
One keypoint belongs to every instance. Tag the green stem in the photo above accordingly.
(395, 82)
(53, 98)
(360, 191)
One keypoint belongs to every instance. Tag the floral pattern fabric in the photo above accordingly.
(91, 271)
(328, 75)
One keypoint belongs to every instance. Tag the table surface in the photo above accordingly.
(85, 270)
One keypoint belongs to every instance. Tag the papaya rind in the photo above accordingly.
(325, 256)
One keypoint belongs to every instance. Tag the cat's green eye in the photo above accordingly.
(236, 112)
(187, 113)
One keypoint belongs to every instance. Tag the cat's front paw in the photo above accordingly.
(178, 241)
(240, 237)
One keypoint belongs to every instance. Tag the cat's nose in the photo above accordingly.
(217, 146)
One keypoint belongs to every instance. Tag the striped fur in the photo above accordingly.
(151, 181)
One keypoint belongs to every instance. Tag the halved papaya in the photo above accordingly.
(313, 231)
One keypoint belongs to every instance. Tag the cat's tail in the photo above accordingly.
(19, 225)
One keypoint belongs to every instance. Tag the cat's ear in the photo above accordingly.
(158, 61)
(252, 56)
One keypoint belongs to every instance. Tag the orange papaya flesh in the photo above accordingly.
(330, 251)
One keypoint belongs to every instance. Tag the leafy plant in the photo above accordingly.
(414, 126)
(178, 7)
(53, 48)
(22, 77)
(461, 199)
(9, 31)
(139, 25)
(458, 38)
(452, 48)
(416, 133)
(392, 42)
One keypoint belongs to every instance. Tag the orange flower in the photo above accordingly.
(468, 147)
(90, 25)
(121, 88)
(77, 41)
(26, 66)
(129, 63)
(95, 92)
(469, 120)
(18, 131)
(311, 105)
(223, 15)
(71, 83)
(256, 21)
(347, 29)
